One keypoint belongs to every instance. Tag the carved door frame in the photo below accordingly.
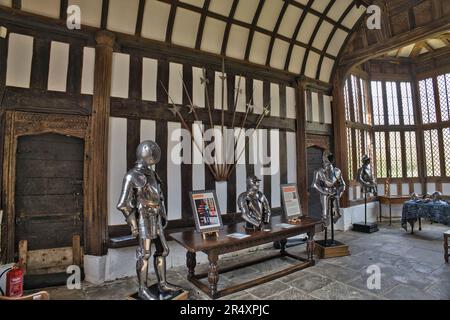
(18, 124)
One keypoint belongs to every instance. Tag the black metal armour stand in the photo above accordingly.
(330, 216)
(366, 227)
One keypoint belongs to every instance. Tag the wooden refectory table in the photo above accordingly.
(213, 246)
(390, 200)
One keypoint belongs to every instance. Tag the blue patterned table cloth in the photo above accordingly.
(438, 212)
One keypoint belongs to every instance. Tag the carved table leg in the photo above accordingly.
(213, 273)
(191, 263)
(310, 247)
(411, 223)
(420, 224)
(283, 246)
(446, 256)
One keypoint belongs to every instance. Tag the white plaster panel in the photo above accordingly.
(327, 68)
(20, 55)
(260, 46)
(315, 106)
(289, 22)
(6, 3)
(298, 54)
(241, 98)
(48, 8)
(117, 166)
(198, 166)
(59, 63)
(393, 189)
(328, 118)
(275, 167)
(174, 207)
(213, 35)
(269, 14)
(353, 16)
(198, 88)
(291, 148)
(91, 11)
(311, 65)
(218, 84)
(222, 7)
(290, 103)
(175, 83)
(185, 28)
(197, 3)
(279, 54)
(307, 28)
(405, 189)
(322, 35)
(418, 188)
(338, 9)
(246, 10)
(274, 100)
(337, 41)
(120, 75)
(87, 73)
(149, 79)
(446, 189)
(148, 130)
(431, 187)
(122, 16)
(154, 23)
(222, 191)
(258, 100)
(237, 41)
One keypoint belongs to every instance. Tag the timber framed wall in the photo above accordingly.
(49, 70)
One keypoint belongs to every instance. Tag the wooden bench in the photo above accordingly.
(216, 246)
(446, 237)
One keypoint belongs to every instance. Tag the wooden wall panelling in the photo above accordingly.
(3, 57)
(283, 139)
(210, 183)
(96, 232)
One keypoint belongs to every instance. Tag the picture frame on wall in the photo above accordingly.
(205, 208)
(291, 202)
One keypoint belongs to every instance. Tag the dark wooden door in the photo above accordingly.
(314, 156)
(49, 190)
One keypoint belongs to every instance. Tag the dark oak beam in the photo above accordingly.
(201, 25)
(105, 11)
(252, 30)
(43, 101)
(275, 32)
(226, 33)
(296, 31)
(330, 37)
(130, 108)
(140, 17)
(310, 47)
(171, 20)
(63, 9)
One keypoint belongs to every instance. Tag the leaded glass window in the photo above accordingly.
(392, 103)
(377, 102)
(444, 96)
(411, 154)
(427, 102)
(431, 143)
(446, 138)
(407, 103)
(380, 153)
(396, 154)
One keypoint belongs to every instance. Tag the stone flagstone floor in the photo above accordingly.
(412, 267)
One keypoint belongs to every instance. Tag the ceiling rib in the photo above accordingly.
(313, 36)
(275, 32)
(327, 44)
(105, 10)
(140, 17)
(295, 35)
(226, 34)
(252, 30)
(201, 25)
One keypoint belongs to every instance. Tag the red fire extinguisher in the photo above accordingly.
(14, 281)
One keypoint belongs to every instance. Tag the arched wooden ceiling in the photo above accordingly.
(304, 37)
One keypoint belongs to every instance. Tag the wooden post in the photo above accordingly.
(340, 133)
(96, 228)
(302, 168)
(76, 250)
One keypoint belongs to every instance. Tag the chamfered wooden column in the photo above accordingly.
(339, 130)
(302, 169)
(97, 222)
